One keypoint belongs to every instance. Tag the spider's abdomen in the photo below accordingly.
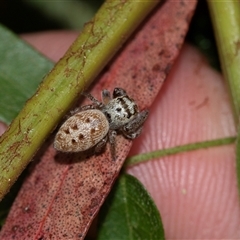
(120, 111)
(82, 131)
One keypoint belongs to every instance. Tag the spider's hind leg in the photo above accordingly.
(112, 140)
(99, 147)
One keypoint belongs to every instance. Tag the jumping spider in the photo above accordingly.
(93, 125)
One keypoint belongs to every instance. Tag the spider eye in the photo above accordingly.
(109, 117)
(118, 109)
(117, 92)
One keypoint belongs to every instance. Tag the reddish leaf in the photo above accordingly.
(64, 192)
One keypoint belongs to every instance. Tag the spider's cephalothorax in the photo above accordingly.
(92, 125)
(119, 110)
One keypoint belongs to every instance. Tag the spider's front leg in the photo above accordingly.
(133, 128)
(106, 97)
(112, 139)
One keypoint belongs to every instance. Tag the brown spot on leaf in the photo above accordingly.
(92, 190)
(94, 202)
(156, 67)
(167, 69)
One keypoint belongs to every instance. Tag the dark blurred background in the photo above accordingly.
(25, 16)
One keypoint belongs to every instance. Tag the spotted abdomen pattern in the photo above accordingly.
(82, 131)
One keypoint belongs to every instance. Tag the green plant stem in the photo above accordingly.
(226, 21)
(178, 149)
(100, 39)
(225, 17)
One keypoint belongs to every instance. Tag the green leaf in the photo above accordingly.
(124, 216)
(21, 71)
